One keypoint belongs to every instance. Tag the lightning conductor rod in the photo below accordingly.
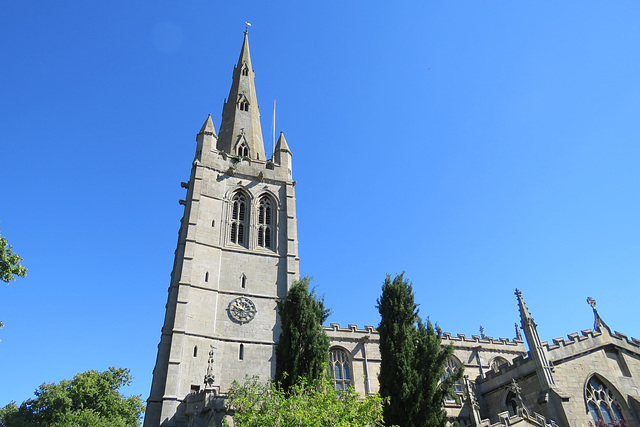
(273, 141)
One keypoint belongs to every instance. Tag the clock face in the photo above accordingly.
(242, 310)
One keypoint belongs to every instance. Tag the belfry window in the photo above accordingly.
(243, 150)
(450, 367)
(238, 218)
(340, 368)
(265, 226)
(602, 404)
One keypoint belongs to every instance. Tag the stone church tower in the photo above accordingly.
(237, 254)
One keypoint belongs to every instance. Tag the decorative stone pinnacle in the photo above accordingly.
(591, 302)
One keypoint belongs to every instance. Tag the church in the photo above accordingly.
(237, 254)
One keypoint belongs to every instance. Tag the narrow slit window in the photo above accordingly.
(244, 281)
(195, 351)
(241, 352)
(206, 276)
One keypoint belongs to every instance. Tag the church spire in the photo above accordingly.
(240, 131)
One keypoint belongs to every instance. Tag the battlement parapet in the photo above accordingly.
(589, 338)
(630, 340)
(477, 339)
(336, 327)
(572, 339)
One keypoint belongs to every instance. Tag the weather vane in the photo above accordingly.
(246, 26)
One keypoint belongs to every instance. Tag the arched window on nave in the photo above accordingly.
(451, 366)
(340, 368)
(602, 403)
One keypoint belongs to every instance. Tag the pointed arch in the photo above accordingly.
(243, 149)
(340, 366)
(498, 363)
(451, 366)
(266, 221)
(239, 218)
(602, 401)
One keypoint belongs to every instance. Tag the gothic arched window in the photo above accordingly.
(498, 363)
(340, 368)
(265, 224)
(245, 71)
(244, 105)
(602, 403)
(450, 367)
(243, 150)
(239, 213)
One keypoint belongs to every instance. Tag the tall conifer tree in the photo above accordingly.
(398, 378)
(413, 361)
(434, 386)
(303, 348)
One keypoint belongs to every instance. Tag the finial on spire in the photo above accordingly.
(598, 323)
(246, 27)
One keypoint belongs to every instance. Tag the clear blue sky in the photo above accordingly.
(478, 146)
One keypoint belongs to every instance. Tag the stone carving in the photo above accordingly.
(209, 378)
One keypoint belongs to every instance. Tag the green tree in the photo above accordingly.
(413, 360)
(10, 266)
(315, 403)
(435, 386)
(303, 347)
(90, 399)
(398, 378)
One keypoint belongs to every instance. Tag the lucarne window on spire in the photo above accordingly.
(245, 70)
(244, 105)
(243, 150)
